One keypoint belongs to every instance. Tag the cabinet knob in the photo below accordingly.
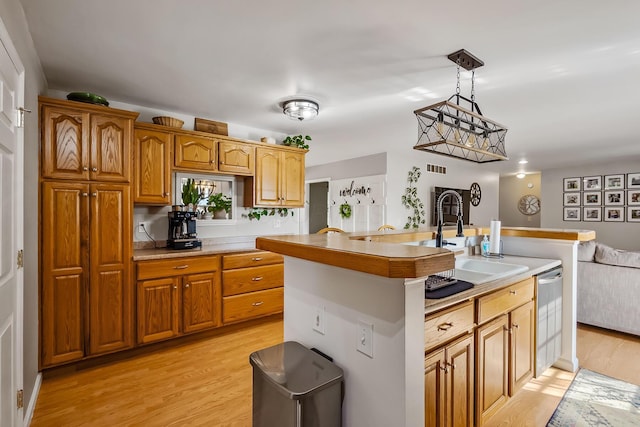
(513, 292)
(175, 287)
(257, 304)
(445, 326)
(515, 325)
(94, 194)
(222, 163)
(165, 194)
(453, 365)
(445, 368)
(85, 168)
(256, 279)
(186, 285)
(84, 194)
(94, 169)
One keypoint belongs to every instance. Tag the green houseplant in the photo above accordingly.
(297, 141)
(219, 203)
(191, 193)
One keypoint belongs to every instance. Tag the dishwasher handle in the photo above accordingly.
(547, 280)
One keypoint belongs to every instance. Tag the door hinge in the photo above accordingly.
(20, 116)
(20, 258)
(20, 398)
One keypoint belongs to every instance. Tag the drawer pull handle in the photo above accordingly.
(513, 292)
(181, 267)
(256, 259)
(257, 304)
(445, 326)
(256, 279)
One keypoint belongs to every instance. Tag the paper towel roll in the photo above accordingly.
(494, 237)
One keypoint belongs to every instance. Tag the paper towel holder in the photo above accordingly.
(493, 254)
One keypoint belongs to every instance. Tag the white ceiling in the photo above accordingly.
(562, 75)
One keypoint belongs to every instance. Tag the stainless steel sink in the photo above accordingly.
(479, 271)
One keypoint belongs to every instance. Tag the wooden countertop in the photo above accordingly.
(382, 259)
(167, 253)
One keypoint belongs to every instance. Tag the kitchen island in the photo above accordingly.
(360, 299)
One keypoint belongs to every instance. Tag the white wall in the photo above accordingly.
(621, 235)
(13, 19)
(512, 189)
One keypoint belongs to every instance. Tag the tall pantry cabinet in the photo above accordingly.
(86, 290)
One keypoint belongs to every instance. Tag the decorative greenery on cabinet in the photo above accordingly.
(410, 200)
(297, 141)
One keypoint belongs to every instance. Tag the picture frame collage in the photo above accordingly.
(610, 198)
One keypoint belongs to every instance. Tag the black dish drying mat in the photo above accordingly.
(459, 286)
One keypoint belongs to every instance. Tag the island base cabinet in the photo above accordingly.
(449, 379)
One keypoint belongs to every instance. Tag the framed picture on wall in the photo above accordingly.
(614, 214)
(633, 180)
(591, 198)
(572, 199)
(614, 182)
(633, 197)
(592, 183)
(633, 214)
(614, 198)
(571, 214)
(572, 184)
(591, 214)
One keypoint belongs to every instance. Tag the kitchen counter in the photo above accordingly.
(536, 266)
(167, 253)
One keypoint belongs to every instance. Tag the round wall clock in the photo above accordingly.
(476, 194)
(529, 204)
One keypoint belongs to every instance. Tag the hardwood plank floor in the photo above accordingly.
(208, 382)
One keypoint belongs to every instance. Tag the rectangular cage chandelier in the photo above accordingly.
(449, 129)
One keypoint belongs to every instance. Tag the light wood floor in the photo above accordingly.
(208, 382)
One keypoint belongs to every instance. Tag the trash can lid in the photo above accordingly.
(295, 370)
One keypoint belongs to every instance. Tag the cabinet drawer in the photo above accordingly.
(250, 259)
(504, 300)
(177, 266)
(445, 325)
(253, 304)
(243, 280)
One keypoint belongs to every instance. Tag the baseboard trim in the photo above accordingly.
(567, 365)
(28, 415)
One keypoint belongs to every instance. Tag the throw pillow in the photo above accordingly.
(586, 250)
(611, 256)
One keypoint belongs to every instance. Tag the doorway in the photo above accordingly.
(318, 206)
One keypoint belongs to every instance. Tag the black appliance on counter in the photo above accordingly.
(182, 230)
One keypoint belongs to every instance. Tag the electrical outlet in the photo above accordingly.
(142, 225)
(364, 338)
(318, 319)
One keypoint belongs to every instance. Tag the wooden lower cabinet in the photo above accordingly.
(505, 359)
(449, 384)
(177, 296)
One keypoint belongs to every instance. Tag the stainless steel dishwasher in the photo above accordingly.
(549, 333)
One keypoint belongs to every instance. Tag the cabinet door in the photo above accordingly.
(201, 302)
(65, 143)
(434, 389)
(158, 316)
(110, 148)
(110, 289)
(195, 153)
(459, 383)
(267, 179)
(152, 182)
(236, 157)
(522, 345)
(492, 371)
(293, 179)
(65, 264)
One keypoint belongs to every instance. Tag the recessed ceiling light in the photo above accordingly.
(523, 162)
(521, 175)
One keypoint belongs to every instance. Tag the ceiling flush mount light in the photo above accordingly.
(520, 175)
(300, 109)
(449, 129)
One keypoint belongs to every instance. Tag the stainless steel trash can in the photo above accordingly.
(295, 387)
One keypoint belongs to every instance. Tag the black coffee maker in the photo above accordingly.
(182, 230)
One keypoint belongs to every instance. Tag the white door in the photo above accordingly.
(11, 234)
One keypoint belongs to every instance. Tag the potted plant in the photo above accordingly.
(191, 194)
(219, 204)
(297, 141)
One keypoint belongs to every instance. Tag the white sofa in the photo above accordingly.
(608, 287)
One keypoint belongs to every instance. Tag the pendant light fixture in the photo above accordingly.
(300, 109)
(452, 130)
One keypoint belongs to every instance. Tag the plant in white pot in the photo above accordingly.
(219, 205)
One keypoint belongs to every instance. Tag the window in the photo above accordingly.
(206, 185)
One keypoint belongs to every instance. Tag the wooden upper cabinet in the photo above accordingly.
(279, 179)
(236, 157)
(85, 141)
(152, 167)
(195, 153)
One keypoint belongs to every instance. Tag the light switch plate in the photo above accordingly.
(318, 319)
(364, 338)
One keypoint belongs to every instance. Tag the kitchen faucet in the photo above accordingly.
(439, 241)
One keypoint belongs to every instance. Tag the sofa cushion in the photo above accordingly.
(586, 250)
(607, 255)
